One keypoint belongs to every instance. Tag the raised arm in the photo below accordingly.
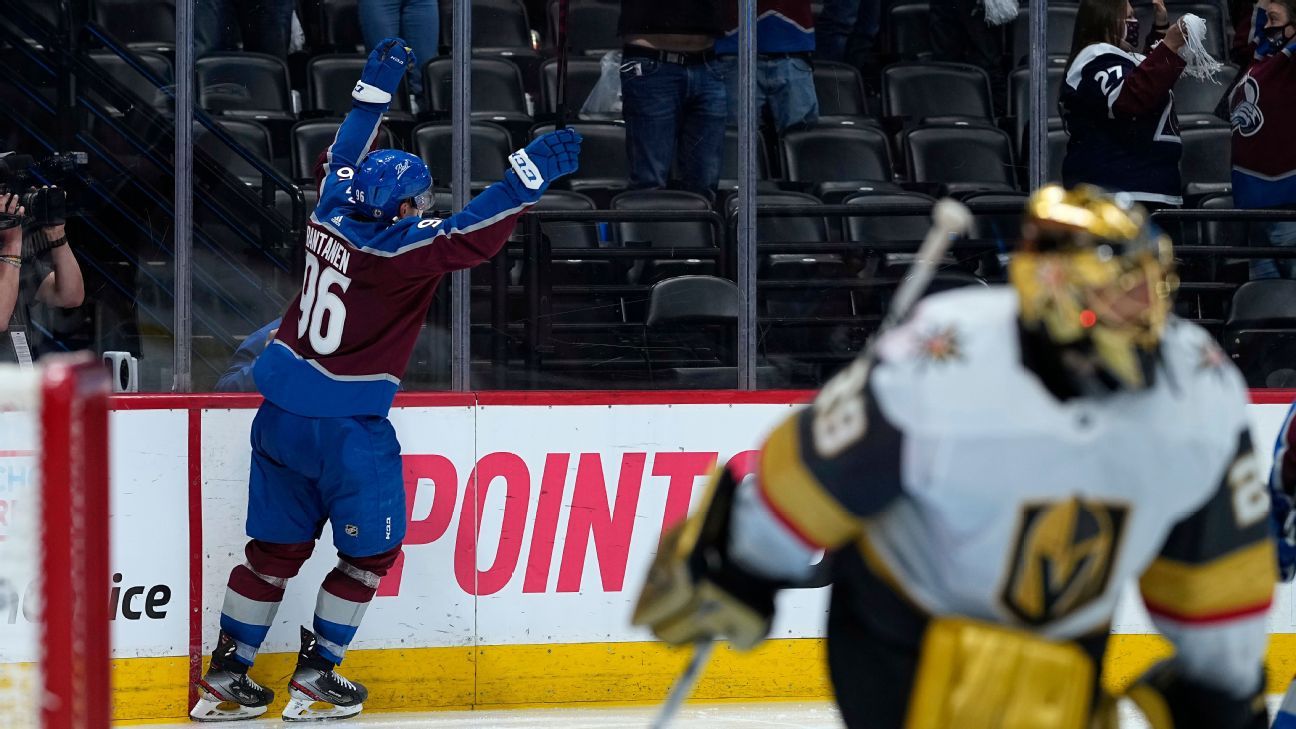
(476, 233)
(10, 259)
(371, 97)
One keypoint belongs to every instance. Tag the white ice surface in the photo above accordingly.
(790, 715)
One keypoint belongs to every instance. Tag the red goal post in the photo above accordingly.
(54, 443)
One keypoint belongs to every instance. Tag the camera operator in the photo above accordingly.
(39, 267)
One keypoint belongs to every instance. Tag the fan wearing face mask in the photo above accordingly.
(1117, 105)
(1263, 113)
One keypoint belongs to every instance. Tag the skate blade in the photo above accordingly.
(210, 708)
(304, 709)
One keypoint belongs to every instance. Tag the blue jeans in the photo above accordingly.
(416, 21)
(1274, 234)
(673, 113)
(846, 29)
(265, 26)
(786, 85)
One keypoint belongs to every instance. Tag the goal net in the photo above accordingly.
(54, 629)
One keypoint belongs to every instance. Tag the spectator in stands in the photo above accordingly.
(1263, 111)
(1118, 107)
(846, 31)
(960, 34)
(238, 377)
(36, 266)
(264, 26)
(672, 92)
(785, 45)
(417, 21)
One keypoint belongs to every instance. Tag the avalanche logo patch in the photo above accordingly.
(1247, 119)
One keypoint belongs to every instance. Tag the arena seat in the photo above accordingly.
(582, 75)
(1199, 97)
(910, 37)
(1260, 333)
(836, 159)
(1061, 27)
(917, 91)
(840, 90)
(962, 158)
(591, 25)
(135, 83)
(340, 23)
(671, 235)
(603, 160)
(496, 86)
(496, 25)
(244, 84)
(143, 25)
(1206, 165)
(249, 134)
(692, 319)
(1019, 103)
(313, 136)
(330, 79)
(491, 147)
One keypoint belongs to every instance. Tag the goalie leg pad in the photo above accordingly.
(975, 675)
(1170, 700)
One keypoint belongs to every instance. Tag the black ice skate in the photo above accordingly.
(315, 682)
(226, 693)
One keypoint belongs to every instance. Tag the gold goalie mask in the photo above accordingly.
(1095, 280)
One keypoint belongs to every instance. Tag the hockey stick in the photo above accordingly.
(561, 96)
(683, 685)
(949, 219)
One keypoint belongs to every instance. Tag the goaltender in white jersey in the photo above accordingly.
(985, 489)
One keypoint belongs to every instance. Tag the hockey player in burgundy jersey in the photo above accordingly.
(322, 447)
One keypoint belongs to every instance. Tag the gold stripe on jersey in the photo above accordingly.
(797, 496)
(877, 564)
(1236, 583)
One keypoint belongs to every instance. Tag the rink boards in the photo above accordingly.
(531, 519)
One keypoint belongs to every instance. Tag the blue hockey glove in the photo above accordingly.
(383, 72)
(549, 157)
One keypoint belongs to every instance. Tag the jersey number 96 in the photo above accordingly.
(323, 312)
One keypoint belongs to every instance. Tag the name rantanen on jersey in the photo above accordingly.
(328, 248)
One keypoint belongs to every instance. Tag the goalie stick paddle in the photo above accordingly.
(949, 220)
(561, 96)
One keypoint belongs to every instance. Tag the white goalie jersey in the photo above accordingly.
(968, 488)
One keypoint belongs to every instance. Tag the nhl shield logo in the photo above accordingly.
(352, 530)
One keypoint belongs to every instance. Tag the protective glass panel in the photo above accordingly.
(600, 285)
(86, 111)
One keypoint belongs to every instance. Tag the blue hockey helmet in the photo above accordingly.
(388, 177)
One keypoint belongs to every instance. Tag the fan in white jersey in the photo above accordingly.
(1014, 457)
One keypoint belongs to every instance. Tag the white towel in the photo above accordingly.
(1200, 63)
(998, 12)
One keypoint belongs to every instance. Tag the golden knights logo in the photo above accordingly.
(1062, 558)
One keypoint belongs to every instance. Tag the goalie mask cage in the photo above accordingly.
(54, 600)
